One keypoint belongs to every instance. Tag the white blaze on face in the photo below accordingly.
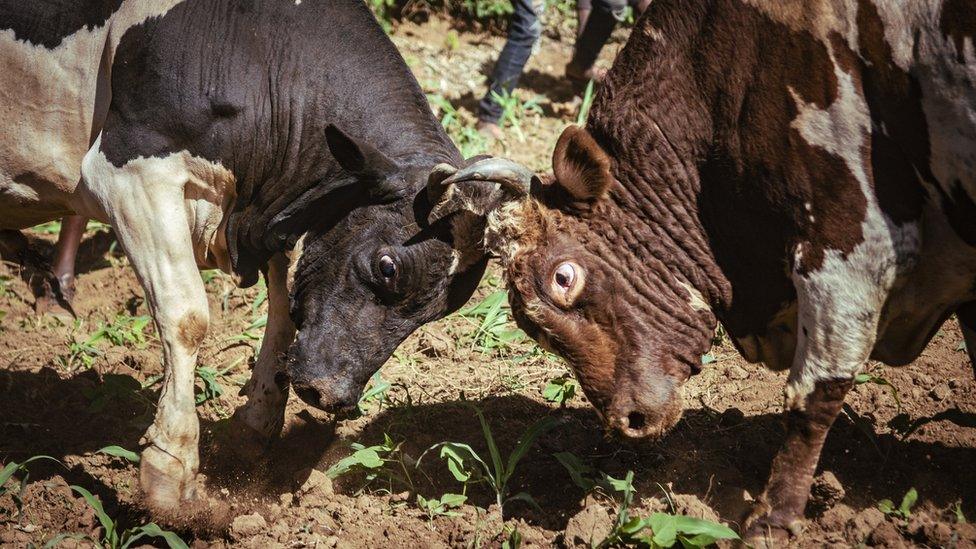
(840, 303)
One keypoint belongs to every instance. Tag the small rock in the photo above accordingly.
(887, 535)
(737, 372)
(826, 492)
(953, 384)
(286, 499)
(588, 527)
(331, 541)
(246, 526)
(861, 526)
(941, 392)
(317, 484)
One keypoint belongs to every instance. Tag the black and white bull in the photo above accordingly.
(207, 133)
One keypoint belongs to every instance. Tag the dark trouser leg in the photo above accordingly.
(967, 320)
(780, 509)
(594, 35)
(524, 31)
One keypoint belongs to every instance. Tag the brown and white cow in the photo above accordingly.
(207, 132)
(803, 171)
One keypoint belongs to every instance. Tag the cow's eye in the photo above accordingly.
(388, 268)
(567, 281)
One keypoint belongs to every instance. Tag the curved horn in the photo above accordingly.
(466, 189)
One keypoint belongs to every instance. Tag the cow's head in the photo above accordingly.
(411, 254)
(587, 289)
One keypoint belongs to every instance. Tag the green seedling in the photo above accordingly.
(468, 467)
(250, 333)
(585, 105)
(124, 330)
(120, 452)
(514, 110)
(385, 461)
(210, 388)
(868, 377)
(960, 517)
(495, 328)
(560, 390)
(486, 10)
(118, 388)
(375, 393)
(658, 530)
(441, 507)
(12, 468)
(904, 510)
(513, 539)
(469, 141)
(114, 537)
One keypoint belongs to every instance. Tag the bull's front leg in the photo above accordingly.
(260, 420)
(145, 202)
(837, 319)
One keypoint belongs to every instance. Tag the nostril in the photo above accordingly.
(636, 421)
(309, 395)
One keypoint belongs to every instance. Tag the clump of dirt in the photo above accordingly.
(66, 397)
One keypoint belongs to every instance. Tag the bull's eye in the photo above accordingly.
(567, 281)
(565, 276)
(388, 268)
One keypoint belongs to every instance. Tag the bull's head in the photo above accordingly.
(588, 288)
(363, 284)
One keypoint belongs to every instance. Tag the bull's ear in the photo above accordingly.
(477, 189)
(581, 167)
(357, 157)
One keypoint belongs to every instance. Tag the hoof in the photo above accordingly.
(762, 531)
(56, 297)
(166, 483)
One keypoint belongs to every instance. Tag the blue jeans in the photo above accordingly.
(524, 31)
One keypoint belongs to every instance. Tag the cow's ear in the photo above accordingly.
(357, 157)
(580, 165)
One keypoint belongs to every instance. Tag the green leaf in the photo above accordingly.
(107, 523)
(527, 440)
(500, 475)
(908, 502)
(12, 467)
(154, 531)
(366, 458)
(559, 390)
(453, 500)
(886, 506)
(581, 473)
(118, 451)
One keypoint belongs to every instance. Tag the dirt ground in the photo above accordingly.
(61, 399)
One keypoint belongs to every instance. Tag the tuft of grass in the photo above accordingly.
(515, 111)
(495, 329)
(465, 136)
(468, 467)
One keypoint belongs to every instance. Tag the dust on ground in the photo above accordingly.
(65, 396)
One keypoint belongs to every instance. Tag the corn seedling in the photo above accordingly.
(380, 461)
(514, 110)
(120, 452)
(468, 140)
(440, 507)
(115, 388)
(12, 468)
(560, 390)
(513, 538)
(960, 517)
(114, 537)
(468, 467)
(904, 510)
(585, 105)
(495, 329)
